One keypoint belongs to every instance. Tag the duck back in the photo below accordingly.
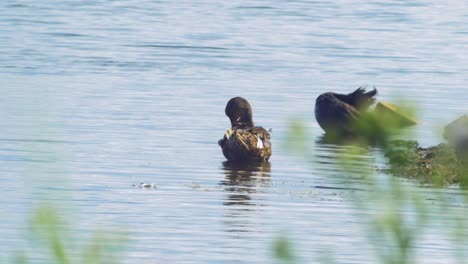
(336, 113)
(246, 144)
(333, 115)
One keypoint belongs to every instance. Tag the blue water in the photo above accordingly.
(98, 96)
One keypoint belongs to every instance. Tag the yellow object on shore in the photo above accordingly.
(391, 110)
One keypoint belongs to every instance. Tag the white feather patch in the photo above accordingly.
(228, 133)
(259, 142)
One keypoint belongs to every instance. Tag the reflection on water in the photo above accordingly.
(240, 182)
(327, 139)
(243, 179)
(345, 163)
(333, 152)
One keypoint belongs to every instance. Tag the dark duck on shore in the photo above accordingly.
(336, 113)
(244, 142)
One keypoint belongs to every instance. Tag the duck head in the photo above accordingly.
(239, 112)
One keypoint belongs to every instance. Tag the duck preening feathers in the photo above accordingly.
(336, 113)
(244, 142)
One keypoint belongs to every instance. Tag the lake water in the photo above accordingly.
(98, 96)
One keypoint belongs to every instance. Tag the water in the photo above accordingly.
(98, 96)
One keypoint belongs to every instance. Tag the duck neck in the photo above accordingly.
(242, 125)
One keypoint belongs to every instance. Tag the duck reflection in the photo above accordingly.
(345, 156)
(327, 139)
(327, 149)
(243, 213)
(242, 179)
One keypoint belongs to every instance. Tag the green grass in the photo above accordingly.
(49, 235)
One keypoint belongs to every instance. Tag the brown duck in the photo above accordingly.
(244, 142)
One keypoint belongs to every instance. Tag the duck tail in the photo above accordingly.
(362, 99)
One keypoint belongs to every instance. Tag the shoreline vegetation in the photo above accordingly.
(436, 165)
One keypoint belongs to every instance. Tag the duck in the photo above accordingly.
(336, 113)
(456, 133)
(244, 142)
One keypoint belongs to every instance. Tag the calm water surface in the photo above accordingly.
(100, 95)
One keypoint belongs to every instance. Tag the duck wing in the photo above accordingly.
(334, 114)
(345, 112)
(262, 136)
(249, 144)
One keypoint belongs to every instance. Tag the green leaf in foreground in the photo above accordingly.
(283, 251)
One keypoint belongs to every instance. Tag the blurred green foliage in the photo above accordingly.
(283, 250)
(49, 233)
(297, 137)
(381, 126)
(47, 225)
